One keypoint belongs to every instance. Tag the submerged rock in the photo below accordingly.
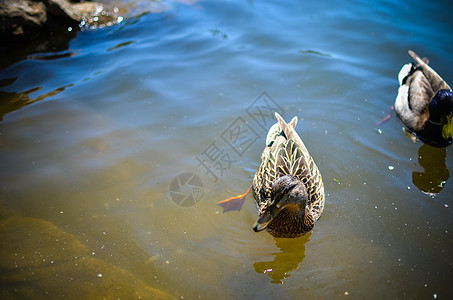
(38, 259)
(39, 26)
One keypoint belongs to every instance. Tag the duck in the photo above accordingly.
(424, 103)
(287, 188)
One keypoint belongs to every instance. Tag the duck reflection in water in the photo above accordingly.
(290, 256)
(435, 173)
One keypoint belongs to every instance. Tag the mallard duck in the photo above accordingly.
(425, 103)
(288, 187)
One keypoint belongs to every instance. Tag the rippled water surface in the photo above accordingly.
(115, 151)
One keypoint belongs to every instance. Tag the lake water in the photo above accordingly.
(115, 150)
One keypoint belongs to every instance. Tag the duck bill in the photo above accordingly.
(264, 220)
(447, 127)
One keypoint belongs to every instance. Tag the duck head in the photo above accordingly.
(441, 112)
(289, 193)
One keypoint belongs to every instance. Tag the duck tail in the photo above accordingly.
(417, 58)
(434, 79)
(290, 133)
(406, 71)
(286, 127)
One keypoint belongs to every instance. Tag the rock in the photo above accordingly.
(71, 12)
(38, 26)
(22, 20)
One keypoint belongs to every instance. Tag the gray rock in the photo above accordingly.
(69, 11)
(22, 20)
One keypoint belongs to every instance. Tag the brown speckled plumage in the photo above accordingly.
(290, 225)
(286, 156)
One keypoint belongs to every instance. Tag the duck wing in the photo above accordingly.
(263, 179)
(294, 159)
(436, 82)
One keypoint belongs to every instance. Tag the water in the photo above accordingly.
(92, 137)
